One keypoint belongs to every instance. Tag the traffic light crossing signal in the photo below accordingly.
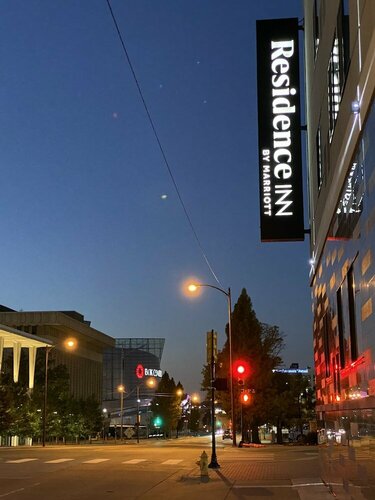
(158, 422)
(241, 371)
(220, 384)
(246, 397)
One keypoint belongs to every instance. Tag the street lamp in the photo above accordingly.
(70, 344)
(48, 348)
(150, 382)
(121, 390)
(193, 287)
(104, 417)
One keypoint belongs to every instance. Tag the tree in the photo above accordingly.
(194, 419)
(6, 416)
(260, 345)
(293, 402)
(167, 404)
(21, 408)
(91, 415)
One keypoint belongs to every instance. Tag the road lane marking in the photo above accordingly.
(11, 492)
(21, 460)
(96, 461)
(135, 461)
(171, 462)
(59, 461)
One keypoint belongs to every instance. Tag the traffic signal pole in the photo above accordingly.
(231, 367)
(214, 463)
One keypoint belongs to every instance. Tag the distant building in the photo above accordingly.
(340, 85)
(130, 363)
(85, 362)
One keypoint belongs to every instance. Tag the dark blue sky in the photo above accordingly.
(83, 222)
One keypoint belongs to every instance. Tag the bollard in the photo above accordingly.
(203, 465)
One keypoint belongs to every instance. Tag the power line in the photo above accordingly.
(159, 144)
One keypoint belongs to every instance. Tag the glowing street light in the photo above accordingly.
(194, 288)
(69, 344)
(121, 390)
(151, 383)
(195, 398)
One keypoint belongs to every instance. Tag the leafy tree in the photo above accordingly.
(167, 405)
(260, 345)
(21, 409)
(6, 415)
(293, 402)
(91, 415)
(194, 419)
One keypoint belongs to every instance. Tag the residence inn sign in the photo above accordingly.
(279, 128)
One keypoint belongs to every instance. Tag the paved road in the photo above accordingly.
(167, 470)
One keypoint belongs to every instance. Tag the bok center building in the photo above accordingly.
(340, 80)
(131, 362)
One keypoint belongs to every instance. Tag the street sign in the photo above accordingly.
(129, 432)
(211, 346)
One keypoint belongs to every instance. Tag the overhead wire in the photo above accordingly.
(166, 162)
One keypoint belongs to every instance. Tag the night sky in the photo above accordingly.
(90, 218)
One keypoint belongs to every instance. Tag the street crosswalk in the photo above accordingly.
(94, 461)
(59, 461)
(21, 460)
(177, 462)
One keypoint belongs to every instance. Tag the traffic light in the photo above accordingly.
(220, 384)
(157, 422)
(245, 397)
(241, 371)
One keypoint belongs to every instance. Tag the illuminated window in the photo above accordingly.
(334, 86)
(343, 28)
(316, 26)
(338, 65)
(350, 204)
(319, 161)
(346, 320)
(326, 343)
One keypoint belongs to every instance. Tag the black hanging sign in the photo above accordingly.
(279, 128)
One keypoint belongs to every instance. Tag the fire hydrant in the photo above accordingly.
(203, 464)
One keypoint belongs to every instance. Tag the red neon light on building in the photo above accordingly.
(140, 371)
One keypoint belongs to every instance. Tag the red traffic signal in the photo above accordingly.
(245, 397)
(241, 370)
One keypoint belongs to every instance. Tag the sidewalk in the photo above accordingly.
(319, 474)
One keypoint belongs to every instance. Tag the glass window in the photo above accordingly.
(352, 311)
(319, 163)
(346, 320)
(343, 31)
(316, 27)
(342, 325)
(326, 340)
(334, 85)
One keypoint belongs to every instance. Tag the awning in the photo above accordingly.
(16, 340)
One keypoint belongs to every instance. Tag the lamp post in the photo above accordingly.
(193, 287)
(121, 390)
(179, 393)
(104, 417)
(137, 420)
(214, 463)
(151, 383)
(48, 348)
(69, 344)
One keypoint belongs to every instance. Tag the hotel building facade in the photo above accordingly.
(340, 114)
